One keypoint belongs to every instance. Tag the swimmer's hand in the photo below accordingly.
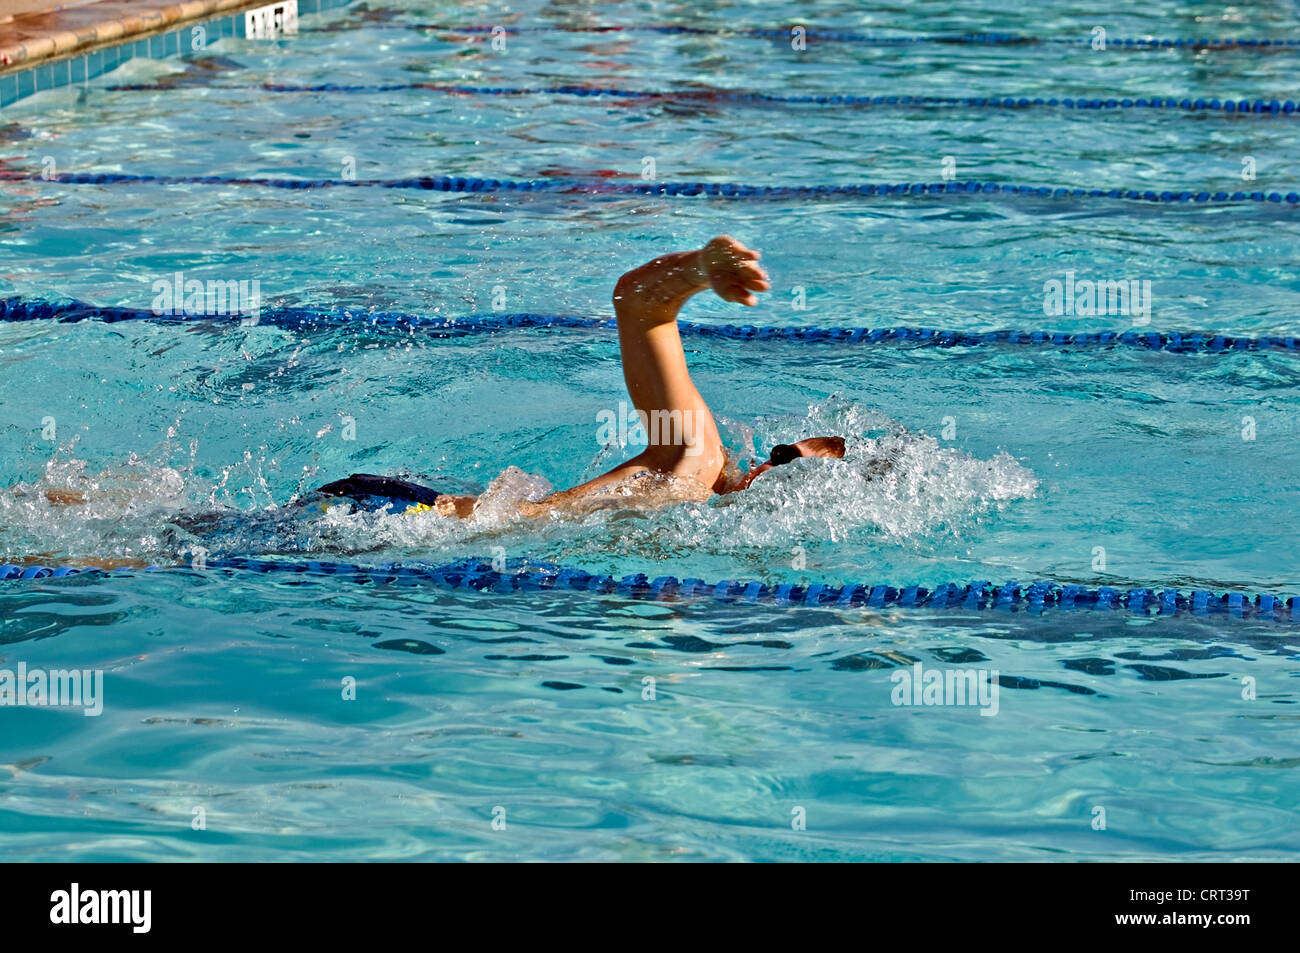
(732, 270)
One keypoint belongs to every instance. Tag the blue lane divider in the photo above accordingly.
(723, 190)
(1178, 342)
(1263, 107)
(849, 36)
(520, 576)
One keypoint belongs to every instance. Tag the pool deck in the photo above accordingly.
(34, 32)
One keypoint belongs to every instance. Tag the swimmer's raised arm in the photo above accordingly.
(647, 301)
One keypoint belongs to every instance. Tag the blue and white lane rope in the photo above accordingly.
(1012, 597)
(849, 36)
(723, 190)
(1258, 107)
(1178, 342)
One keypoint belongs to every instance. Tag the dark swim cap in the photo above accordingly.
(783, 453)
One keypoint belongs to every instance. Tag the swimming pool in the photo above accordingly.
(601, 726)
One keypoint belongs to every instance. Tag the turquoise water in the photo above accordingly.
(223, 691)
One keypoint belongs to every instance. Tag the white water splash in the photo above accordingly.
(892, 487)
(895, 486)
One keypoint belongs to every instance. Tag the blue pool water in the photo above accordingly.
(1115, 467)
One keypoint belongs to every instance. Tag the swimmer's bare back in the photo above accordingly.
(684, 441)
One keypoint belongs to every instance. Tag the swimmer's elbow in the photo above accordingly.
(628, 295)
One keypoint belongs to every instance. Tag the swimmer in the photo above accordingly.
(647, 301)
(646, 304)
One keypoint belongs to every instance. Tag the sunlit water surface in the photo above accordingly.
(607, 728)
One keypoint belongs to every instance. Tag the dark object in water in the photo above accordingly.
(374, 492)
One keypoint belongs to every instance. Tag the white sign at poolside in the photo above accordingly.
(272, 20)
